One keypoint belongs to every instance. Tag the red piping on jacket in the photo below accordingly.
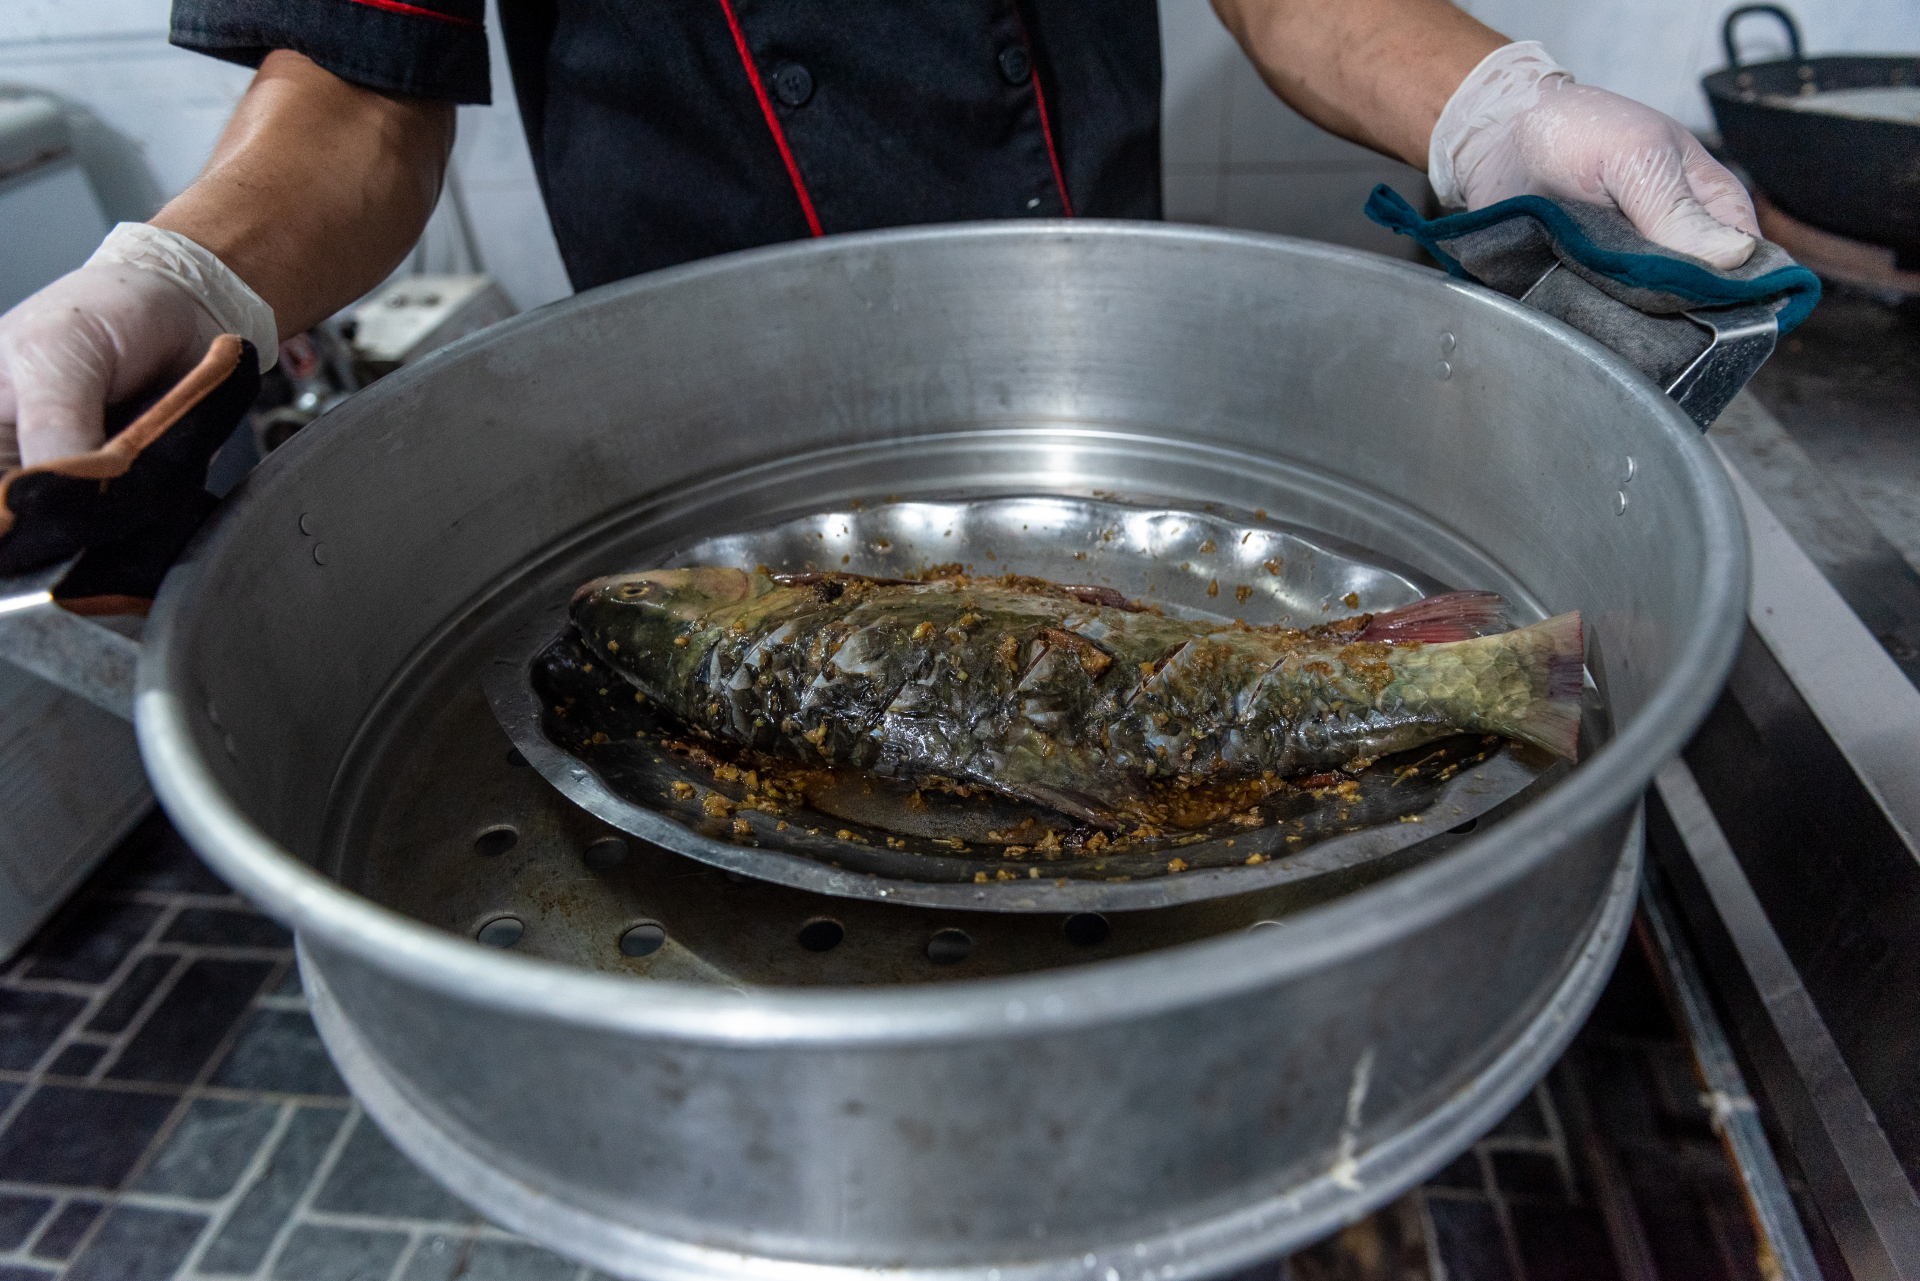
(394, 6)
(1046, 129)
(773, 121)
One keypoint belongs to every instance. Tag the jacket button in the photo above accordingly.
(792, 84)
(1015, 65)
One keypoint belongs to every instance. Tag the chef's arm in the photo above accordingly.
(317, 189)
(1488, 119)
(1376, 72)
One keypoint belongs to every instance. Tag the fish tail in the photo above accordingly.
(1452, 616)
(1554, 722)
(1553, 654)
(1524, 684)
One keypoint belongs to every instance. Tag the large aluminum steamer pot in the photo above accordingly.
(1170, 1114)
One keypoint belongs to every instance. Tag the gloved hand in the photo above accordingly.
(1519, 125)
(138, 314)
(128, 508)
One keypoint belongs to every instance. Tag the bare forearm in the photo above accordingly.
(317, 189)
(1377, 72)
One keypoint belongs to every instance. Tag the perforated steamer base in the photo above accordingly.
(490, 828)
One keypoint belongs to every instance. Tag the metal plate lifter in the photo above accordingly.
(1743, 338)
(74, 653)
(1739, 339)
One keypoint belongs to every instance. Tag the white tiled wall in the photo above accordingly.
(496, 173)
(1234, 155)
(113, 56)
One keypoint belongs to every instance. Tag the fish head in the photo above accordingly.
(644, 622)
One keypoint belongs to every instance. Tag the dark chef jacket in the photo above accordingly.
(667, 130)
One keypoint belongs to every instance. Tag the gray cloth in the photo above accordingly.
(1640, 322)
(1588, 266)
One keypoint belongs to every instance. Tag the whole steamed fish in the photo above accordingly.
(1070, 697)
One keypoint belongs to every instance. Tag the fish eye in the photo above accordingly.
(633, 591)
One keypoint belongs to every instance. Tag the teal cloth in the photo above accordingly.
(1506, 247)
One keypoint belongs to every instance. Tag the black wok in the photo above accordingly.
(1852, 175)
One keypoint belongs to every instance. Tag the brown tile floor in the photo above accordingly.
(167, 1111)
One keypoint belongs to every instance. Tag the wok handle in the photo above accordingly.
(1743, 338)
(1786, 20)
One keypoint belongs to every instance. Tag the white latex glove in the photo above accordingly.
(136, 316)
(1519, 125)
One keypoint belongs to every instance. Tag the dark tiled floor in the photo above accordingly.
(167, 1111)
(1847, 386)
(1835, 452)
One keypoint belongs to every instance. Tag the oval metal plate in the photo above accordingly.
(617, 759)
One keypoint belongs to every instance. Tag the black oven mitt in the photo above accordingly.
(1589, 266)
(128, 508)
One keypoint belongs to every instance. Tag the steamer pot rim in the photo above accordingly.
(1124, 989)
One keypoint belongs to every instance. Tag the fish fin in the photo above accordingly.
(1108, 597)
(1552, 721)
(1084, 808)
(1454, 616)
